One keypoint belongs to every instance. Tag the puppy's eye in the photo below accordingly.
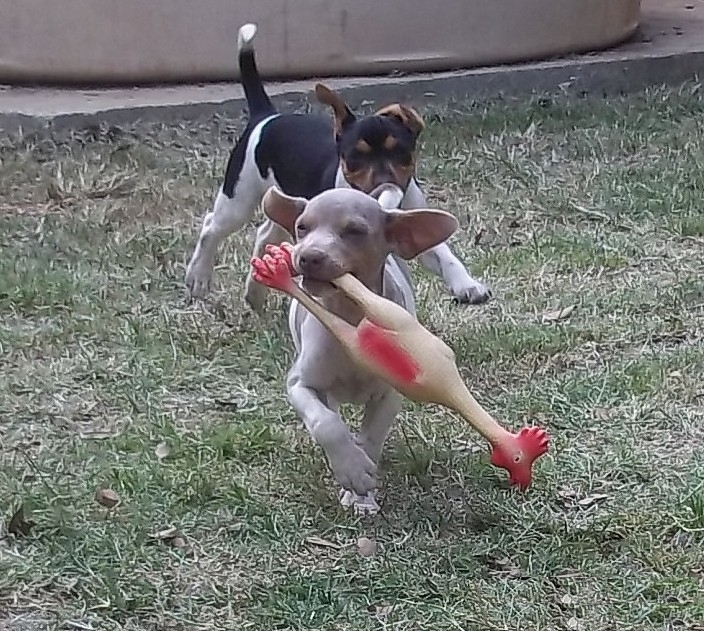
(301, 229)
(355, 230)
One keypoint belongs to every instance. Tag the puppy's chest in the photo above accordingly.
(325, 362)
(349, 384)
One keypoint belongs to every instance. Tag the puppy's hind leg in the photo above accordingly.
(267, 233)
(230, 212)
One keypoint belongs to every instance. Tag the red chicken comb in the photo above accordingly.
(275, 269)
(517, 452)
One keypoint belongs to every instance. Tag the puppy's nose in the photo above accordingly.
(311, 260)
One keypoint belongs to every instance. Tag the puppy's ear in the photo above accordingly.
(283, 209)
(412, 232)
(342, 114)
(407, 116)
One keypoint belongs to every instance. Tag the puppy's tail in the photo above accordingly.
(257, 99)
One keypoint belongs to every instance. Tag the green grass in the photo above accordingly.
(595, 205)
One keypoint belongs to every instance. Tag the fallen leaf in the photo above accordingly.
(567, 600)
(366, 547)
(162, 450)
(19, 524)
(503, 566)
(601, 413)
(558, 315)
(681, 539)
(167, 533)
(567, 493)
(467, 446)
(592, 499)
(107, 498)
(575, 623)
(97, 435)
(380, 609)
(323, 543)
(171, 536)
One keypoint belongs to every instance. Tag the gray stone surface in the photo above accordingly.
(668, 49)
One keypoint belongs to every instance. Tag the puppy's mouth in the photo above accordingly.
(319, 285)
(316, 278)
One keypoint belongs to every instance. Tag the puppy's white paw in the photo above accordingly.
(363, 505)
(353, 468)
(471, 292)
(198, 278)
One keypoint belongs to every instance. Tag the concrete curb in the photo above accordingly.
(599, 75)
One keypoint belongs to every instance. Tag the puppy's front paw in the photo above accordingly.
(353, 469)
(363, 505)
(471, 292)
(198, 277)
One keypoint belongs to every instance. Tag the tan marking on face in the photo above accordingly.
(390, 142)
(363, 179)
(363, 146)
(404, 172)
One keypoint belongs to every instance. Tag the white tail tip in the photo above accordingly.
(245, 36)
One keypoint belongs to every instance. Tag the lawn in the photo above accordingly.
(586, 220)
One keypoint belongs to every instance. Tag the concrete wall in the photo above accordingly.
(142, 41)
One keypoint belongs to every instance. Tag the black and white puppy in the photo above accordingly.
(304, 155)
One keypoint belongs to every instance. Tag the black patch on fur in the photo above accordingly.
(258, 102)
(300, 150)
(236, 161)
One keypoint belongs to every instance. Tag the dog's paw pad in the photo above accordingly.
(363, 505)
(473, 294)
(198, 279)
